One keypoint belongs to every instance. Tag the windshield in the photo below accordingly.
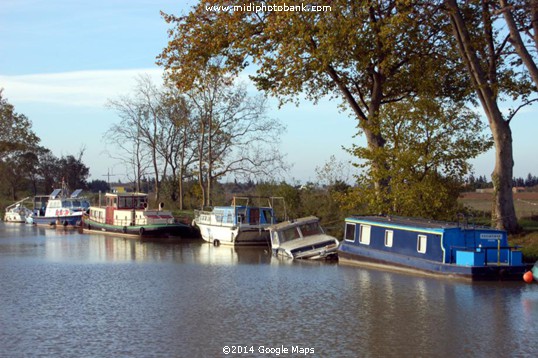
(311, 229)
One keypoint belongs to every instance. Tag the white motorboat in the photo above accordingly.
(17, 212)
(302, 238)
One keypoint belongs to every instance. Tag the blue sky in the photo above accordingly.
(61, 60)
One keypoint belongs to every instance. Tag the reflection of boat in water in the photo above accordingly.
(127, 214)
(237, 224)
(302, 238)
(437, 248)
(17, 212)
(225, 255)
(59, 208)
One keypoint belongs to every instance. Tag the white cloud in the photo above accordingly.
(80, 88)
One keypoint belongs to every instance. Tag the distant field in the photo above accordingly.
(526, 203)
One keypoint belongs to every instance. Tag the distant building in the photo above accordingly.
(518, 189)
(485, 190)
(118, 189)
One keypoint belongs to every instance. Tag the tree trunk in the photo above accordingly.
(367, 122)
(210, 160)
(504, 215)
(201, 162)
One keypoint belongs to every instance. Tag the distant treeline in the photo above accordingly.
(482, 182)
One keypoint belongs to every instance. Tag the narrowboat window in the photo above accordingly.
(350, 232)
(388, 238)
(364, 237)
(421, 243)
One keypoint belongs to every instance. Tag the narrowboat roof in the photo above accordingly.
(293, 223)
(414, 223)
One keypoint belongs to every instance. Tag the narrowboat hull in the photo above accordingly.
(366, 257)
(177, 230)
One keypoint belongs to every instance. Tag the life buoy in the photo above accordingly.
(216, 243)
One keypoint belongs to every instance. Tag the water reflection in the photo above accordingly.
(65, 293)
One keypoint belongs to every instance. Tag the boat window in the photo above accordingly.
(142, 202)
(421, 243)
(350, 232)
(66, 204)
(266, 216)
(311, 229)
(289, 234)
(388, 238)
(364, 237)
(129, 202)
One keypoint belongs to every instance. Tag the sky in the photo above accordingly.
(62, 60)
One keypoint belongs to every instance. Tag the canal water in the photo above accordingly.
(68, 294)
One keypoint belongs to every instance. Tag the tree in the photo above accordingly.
(16, 135)
(73, 171)
(522, 17)
(484, 52)
(18, 147)
(234, 137)
(428, 147)
(367, 53)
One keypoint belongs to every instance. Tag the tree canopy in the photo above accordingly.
(370, 55)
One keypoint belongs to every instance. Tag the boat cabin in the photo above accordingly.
(424, 244)
(129, 209)
(237, 216)
(59, 204)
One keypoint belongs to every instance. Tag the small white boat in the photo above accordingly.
(302, 238)
(237, 224)
(17, 212)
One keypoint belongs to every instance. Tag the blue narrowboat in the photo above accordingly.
(430, 247)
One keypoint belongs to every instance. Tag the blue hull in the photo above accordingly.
(348, 253)
(74, 220)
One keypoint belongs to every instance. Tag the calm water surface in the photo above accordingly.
(67, 294)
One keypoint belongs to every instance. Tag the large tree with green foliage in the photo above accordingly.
(494, 72)
(427, 151)
(366, 53)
